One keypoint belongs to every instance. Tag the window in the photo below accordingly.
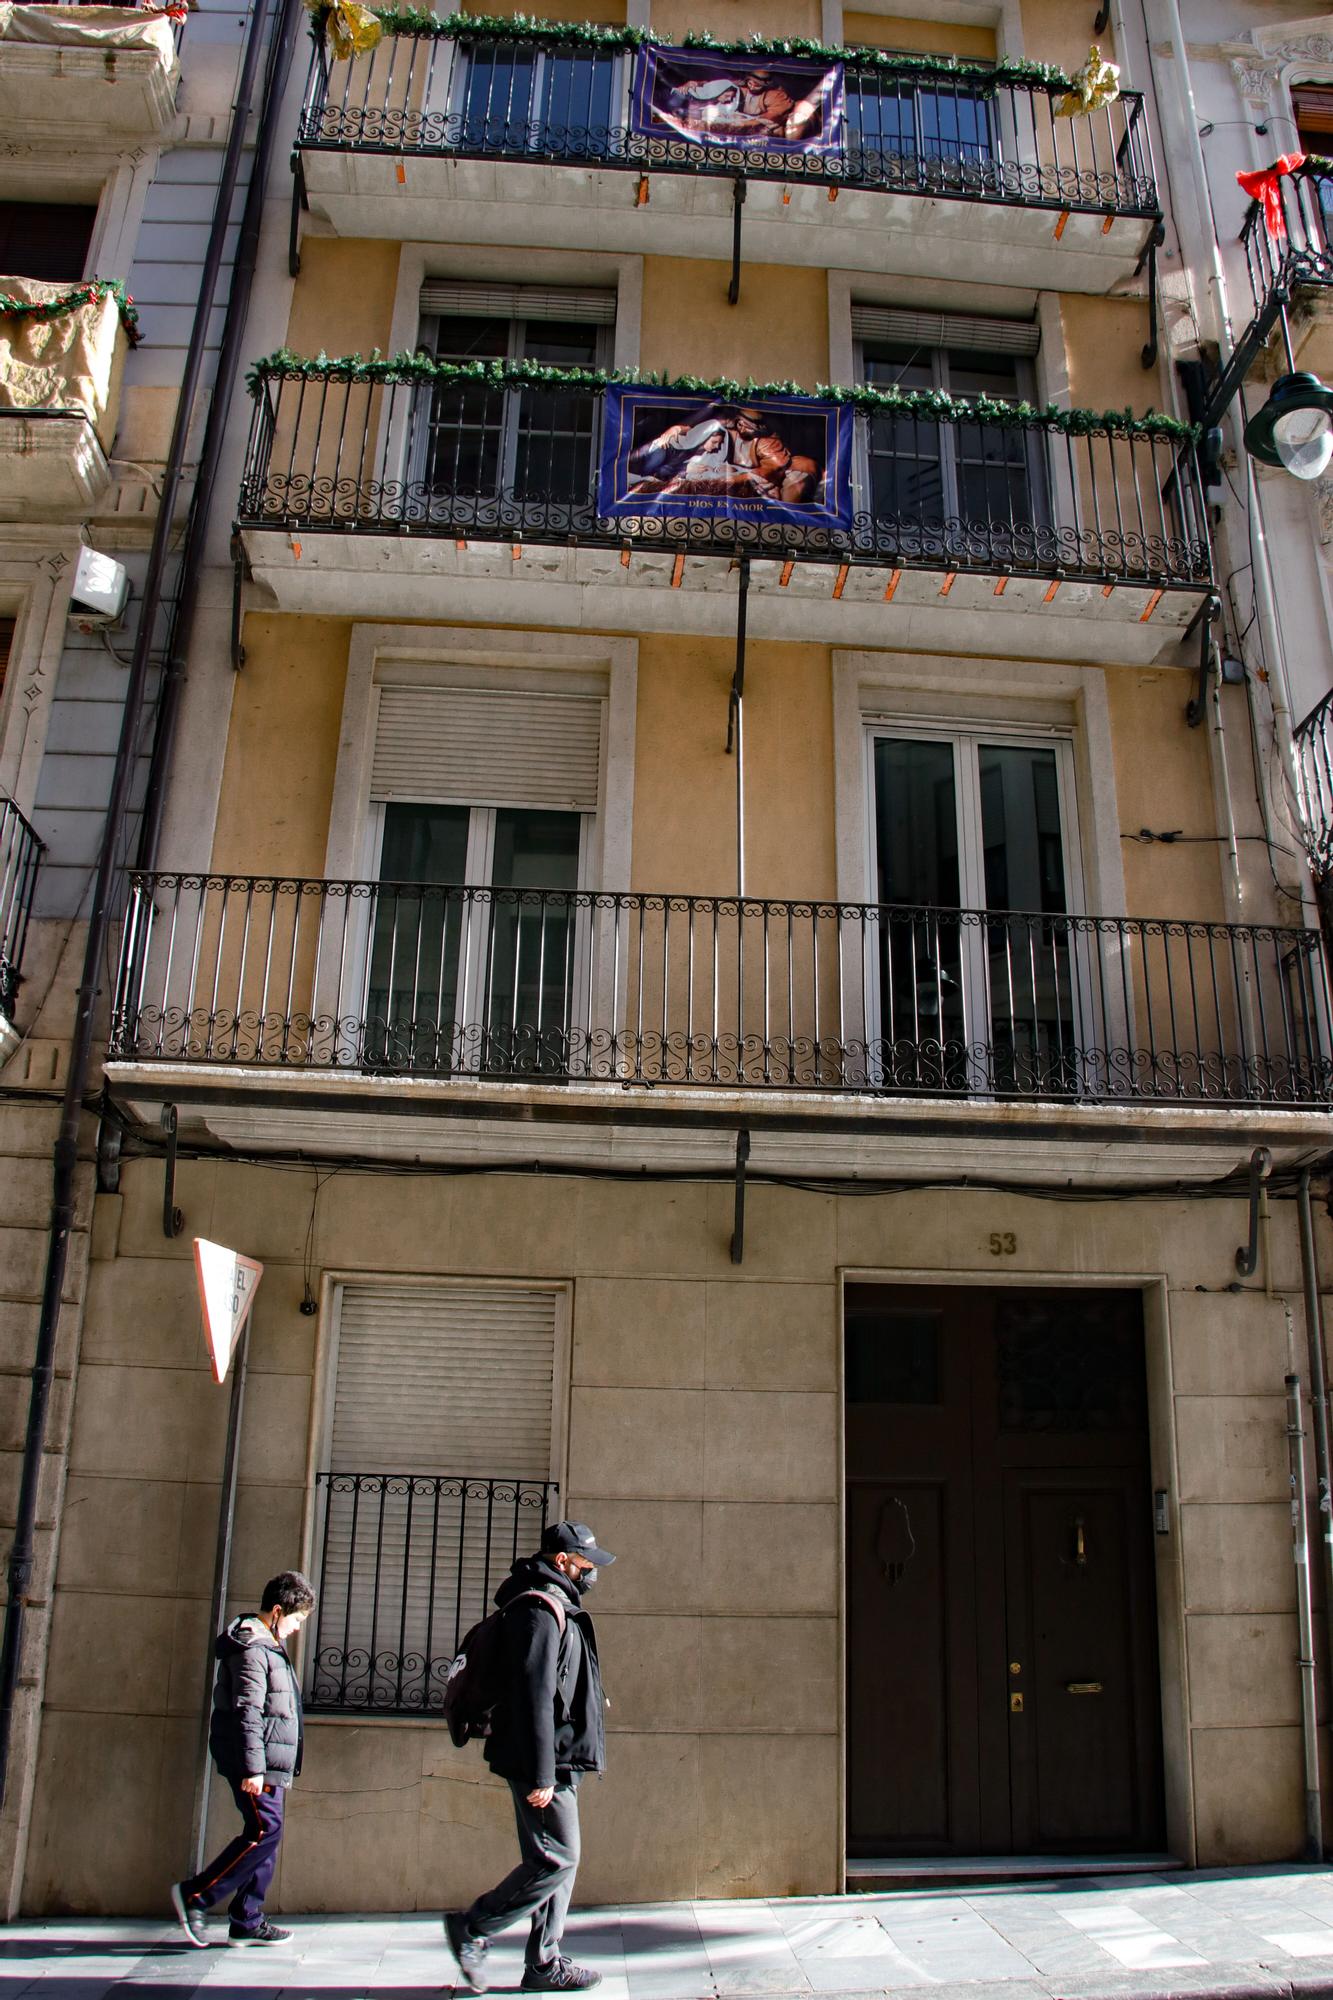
(983, 481)
(518, 99)
(478, 443)
(973, 855)
(437, 1474)
(477, 948)
(926, 118)
(47, 240)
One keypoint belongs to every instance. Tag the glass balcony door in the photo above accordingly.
(972, 856)
(517, 98)
(477, 447)
(956, 483)
(936, 119)
(476, 947)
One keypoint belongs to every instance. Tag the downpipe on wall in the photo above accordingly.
(1314, 1819)
(1314, 1336)
(65, 1162)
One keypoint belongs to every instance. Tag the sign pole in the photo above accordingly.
(221, 1583)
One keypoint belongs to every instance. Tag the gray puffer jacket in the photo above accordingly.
(257, 1728)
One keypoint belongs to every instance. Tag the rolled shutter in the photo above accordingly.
(488, 747)
(447, 295)
(949, 330)
(439, 1464)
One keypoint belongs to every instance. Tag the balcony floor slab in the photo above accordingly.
(455, 201)
(109, 95)
(809, 1132)
(51, 465)
(596, 589)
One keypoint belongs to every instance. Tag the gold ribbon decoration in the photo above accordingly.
(1096, 84)
(352, 29)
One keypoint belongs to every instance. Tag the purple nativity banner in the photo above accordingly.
(770, 105)
(771, 460)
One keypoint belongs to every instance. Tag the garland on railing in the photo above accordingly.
(934, 404)
(576, 35)
(76, 297)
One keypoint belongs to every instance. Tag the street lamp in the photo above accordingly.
(1294, 429)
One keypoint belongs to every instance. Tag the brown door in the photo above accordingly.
(1001, 1646)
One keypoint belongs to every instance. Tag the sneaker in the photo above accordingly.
(560, 1976)
(192, 1917)
(266, 1933)
(469, 1952)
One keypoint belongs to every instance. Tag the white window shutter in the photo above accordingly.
(439, 1463)
(488, 747)
(548, 302)
(948, 330)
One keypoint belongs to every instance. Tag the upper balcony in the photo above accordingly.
(1314, 769)
(20, 853)
(1294, 266)
(941, 168)
(62, 358)
(419, 488)
(108, 74)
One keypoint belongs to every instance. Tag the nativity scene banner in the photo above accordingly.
(771, 461)
(778, 105)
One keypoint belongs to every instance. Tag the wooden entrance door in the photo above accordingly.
(1002, 1686)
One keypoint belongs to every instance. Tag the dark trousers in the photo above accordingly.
(245, 1866)
(543, 1882)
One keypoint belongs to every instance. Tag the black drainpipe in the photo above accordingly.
(103, 904)
(215, 432)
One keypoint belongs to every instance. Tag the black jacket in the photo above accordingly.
(257, 1728)
(548, 1723)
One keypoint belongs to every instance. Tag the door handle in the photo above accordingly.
(1083, 1687)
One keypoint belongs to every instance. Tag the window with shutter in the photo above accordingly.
(6, 648)
(438, 1477)
(47, 240)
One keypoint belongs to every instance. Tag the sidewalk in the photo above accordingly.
(1252, 1934)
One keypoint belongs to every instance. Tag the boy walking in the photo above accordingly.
(256, 1739)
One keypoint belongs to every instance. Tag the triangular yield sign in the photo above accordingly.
(227, 1286)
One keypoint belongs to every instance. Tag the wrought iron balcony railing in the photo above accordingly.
(20, 853)
(1303, 255)
(960, 136)
(408, 1561)
(935, 486)
(398, 978)
(1314, 770)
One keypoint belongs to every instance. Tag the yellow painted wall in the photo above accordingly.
(685, 784)
(732, 19)
(277, 783)
(1163, 782)
(1103, 342)
(777, 333)
(343, 301)
(1056, 31)
(900, 31)
(609, 12)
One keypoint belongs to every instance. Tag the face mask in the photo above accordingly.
(584, 1581)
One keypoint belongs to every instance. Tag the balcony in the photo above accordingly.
(419, 489)
(20, 853)
(477, 987)
(942, 167)
(107, 73)
(1314, 771)
(1295, 269)
(60, 379)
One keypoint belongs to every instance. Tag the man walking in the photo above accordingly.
(256, 1739)
(546, 1731)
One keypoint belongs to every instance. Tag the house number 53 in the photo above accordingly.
(1003, 1243)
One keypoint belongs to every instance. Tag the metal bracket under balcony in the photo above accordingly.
(430, 139)
(383, 497)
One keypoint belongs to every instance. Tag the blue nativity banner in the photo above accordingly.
(768, 105)
(775, 460)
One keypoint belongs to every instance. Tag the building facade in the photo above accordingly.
(753, 1026)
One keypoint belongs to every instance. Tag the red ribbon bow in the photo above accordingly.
(1262, 185)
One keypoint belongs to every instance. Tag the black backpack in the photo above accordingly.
(472, 1684)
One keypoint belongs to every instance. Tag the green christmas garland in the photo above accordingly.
(588, 35)
(422, 370)
(77, 296)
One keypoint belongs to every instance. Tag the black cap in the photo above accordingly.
(574, 1538)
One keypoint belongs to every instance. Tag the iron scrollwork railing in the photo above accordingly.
(1314, 771)
(20, 853)
(645, 990)
(409, 1561)
(960, 136)
(1303, 255)
(333, 451)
